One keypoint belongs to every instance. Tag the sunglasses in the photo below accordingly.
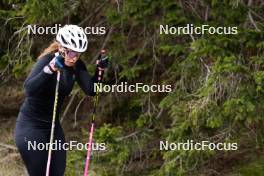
(72, 54)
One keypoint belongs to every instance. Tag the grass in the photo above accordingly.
(255, 168)
(10, 160)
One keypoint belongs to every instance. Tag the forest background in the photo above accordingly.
(217, 81)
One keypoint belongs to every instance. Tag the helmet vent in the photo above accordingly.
(73, 42)
(63, 40)
(84, 44)
(80, 43)
(71, 33)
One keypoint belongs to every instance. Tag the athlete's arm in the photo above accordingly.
(37, 77)
(85, 81)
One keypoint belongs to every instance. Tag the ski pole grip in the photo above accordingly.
(100, 70)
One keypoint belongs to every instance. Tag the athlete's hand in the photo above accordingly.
(102, 60)
(56, 63)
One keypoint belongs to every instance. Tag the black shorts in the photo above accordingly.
(32, 138)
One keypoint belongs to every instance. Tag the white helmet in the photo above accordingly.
(72, 37)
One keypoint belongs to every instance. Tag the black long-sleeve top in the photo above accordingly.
(40, 88)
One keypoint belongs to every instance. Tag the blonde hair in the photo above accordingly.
(52, 48)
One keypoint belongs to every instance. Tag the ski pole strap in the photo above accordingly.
(99, 73)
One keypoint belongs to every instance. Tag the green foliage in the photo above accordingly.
(107, 133)
(115, 154)
(15, 43)
(254, 168)
(259, 79)
(217, 80)
(43, 12)
(75, 162)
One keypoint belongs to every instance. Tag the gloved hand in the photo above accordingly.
(102, 60)
(56, 63)
(101, 64)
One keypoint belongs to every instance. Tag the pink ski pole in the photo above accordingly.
(89, 151)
